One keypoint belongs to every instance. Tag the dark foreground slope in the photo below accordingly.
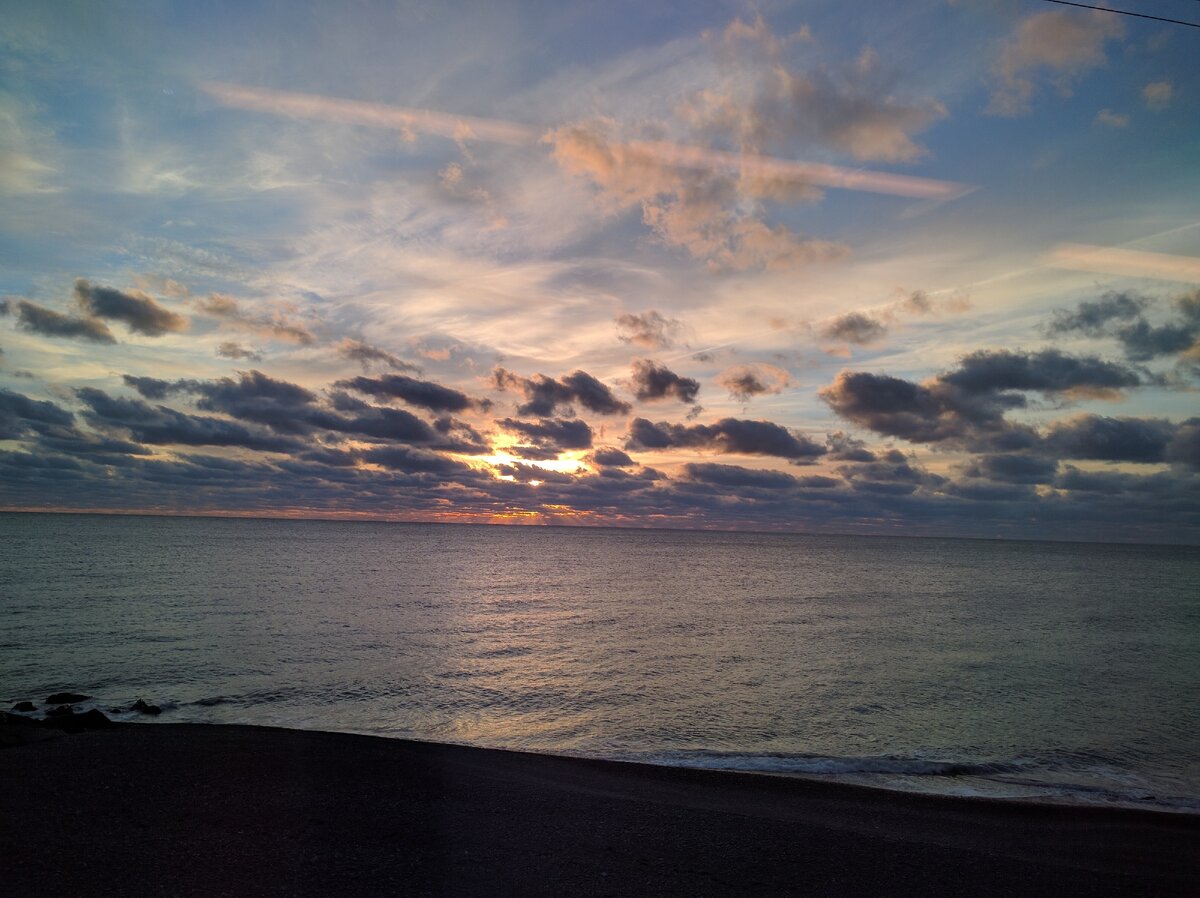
(204, 810)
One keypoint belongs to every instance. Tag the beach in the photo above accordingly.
(182, 809)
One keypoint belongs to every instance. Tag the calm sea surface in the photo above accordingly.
(1062, 671)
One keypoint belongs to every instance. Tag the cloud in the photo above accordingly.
(413, 461)
(610, 457)
(1119, 316)
(1142, 440)
(992, 371)
(1135, 263)
(842, 447)
(19, 414)
(1111, 119)
(155, 388)
(274, 324)
(1092, 317)
(700, 211)
(728, 435)
(965, 407)
(40, 320)
(649, 329)
(544, 394)
(407, 121)
(735, 476)
(424, 393)
(290, 409)
(854, 110)
(1014, 468)
(366, 355)
(744, 382)
(892, 474)
(855, 327)
(139, 312)
(1158, 94)
(1060, 45)
(160, 425)
(651, 382)
(231, 350)
(26, 149)
(551, 434)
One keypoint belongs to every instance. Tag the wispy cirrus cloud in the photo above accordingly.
(1129, 262)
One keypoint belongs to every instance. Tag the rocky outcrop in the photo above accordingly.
(66, 698)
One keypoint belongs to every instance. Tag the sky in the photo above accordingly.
(921, 268)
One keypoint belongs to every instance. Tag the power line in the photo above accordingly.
(1122, 12)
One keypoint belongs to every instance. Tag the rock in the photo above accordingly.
(17, 730)
(65, 718)
(24, 706)
(16, 720)
(142, 708)
(94, 720)
(66, 698)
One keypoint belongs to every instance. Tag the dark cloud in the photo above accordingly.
(649, 329)
(1120, 316)
(1014, 468)
(551, 434)
(544, 395)
(424, 393)
(612, 458)
(651, 382)
(991, 371)
(894, 407)
(253, 396)
(893, 473)
(19, 414)
(1143, 341)
(965, 407)
(855, 327)
(367, 355)
(290, 409)
(139, 312)
(1184, 447)
(735, 476)
(845, 448)
(160, 425)
(231, 350)
(729, 435)
(414, 461)
(155, 388)
(382, 424)
(1111, 439)
(744, 382)
(40, 320)
(1092, 317)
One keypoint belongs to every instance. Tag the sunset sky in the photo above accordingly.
(932, 267)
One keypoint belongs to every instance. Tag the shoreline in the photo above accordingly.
(980, 784)
(169, 808)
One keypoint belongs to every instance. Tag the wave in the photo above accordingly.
(783, 762)
(1063, 778)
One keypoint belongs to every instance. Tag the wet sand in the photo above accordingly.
(182, 809)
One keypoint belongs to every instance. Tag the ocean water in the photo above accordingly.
(1054, 671)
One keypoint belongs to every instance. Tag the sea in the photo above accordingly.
(1050, 671)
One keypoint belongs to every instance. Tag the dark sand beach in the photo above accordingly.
(232, 810)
